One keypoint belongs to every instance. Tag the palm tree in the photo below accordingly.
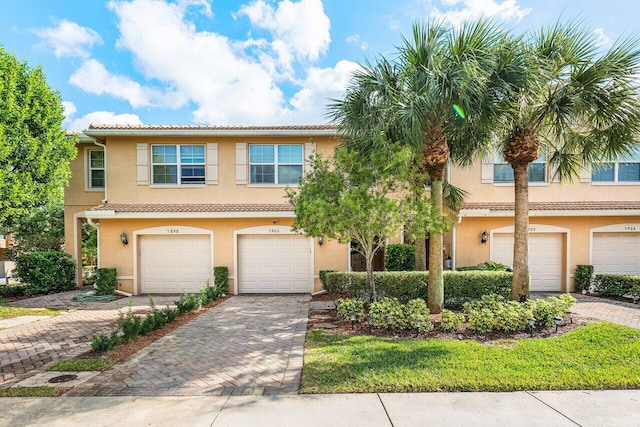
(436, 98)
(572, 104)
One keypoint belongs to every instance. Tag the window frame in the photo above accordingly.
(634, 158)
(498, 160)
(276, 165)
(179, 165)
(90, 169)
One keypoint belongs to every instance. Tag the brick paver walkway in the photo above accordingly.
(30, 348)
(623, 313)
(246, 345)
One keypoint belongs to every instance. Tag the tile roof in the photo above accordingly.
(131, 208)
(556, 206)
(213, 128)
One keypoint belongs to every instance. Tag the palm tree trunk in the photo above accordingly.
(520, 283)
(435, 290)
(421, 254)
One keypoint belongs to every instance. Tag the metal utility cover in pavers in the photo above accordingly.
(246, 345)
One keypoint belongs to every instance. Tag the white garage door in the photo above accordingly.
(616, 253)
(173, 264)
(545, 258)
(269, 264)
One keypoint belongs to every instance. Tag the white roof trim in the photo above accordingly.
(476, 213)
(101, 133)
(178, 215)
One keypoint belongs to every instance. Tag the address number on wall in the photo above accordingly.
(274, 231)
(630, 228)
(173, 231)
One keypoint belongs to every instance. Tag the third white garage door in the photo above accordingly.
(270, 264)
(545, 258)
(616, 253)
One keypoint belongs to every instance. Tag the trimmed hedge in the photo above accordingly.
(584, 275)
(106, 281)
(617, 285)
(323, 276)
(46, 272)
(221, 279)
(400, 257)
(459, 286)
(13, 290)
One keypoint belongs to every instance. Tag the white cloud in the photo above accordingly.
(93, 77)
(470, 10)
(300, 30)
(321, 85)
(67, 39)
(100, 117)
(603, 40)
(353, 39)
(69, 109)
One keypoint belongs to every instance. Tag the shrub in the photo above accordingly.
(513, 316)
(188, 302)
(170, 313)
(130, 324)
(584, 277)
(486, 266)
(491, 302)
(481, 320)
(400, 257)
(208, 294)
(46, 272)
(221, 279)
(459, 287)
(635, 292)
(100, 343)
(450, 321)
(13, 291)
(615, 285)
(385, 307)
(106, 282)
(323, 277)
(417, 309)
(544, 310)
(346, 306)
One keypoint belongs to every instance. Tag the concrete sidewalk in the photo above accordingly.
(618, 408)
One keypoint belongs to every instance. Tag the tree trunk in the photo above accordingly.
(368, 256)
(421, 254)
(435, 294)
(520, 284)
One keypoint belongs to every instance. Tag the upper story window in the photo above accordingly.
(275, 164)
(178, 164)
(626, 169)
(95, 178)
(503, 172)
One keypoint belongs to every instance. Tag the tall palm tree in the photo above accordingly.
(571, 103)
(437, 98)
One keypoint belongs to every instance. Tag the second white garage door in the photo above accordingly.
(616, 253)
(173, 264)
(545, 258)
(270, 264)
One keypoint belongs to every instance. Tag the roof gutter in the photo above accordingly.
(101, 134)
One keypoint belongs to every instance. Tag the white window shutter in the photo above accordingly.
(309, 148)
(212, 163)
(142, 164)
(487, 169)
(241, 162)
(585, 174)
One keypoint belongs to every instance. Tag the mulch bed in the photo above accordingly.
(344, 327)
(125, 350)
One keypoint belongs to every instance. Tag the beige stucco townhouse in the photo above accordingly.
(172, 202)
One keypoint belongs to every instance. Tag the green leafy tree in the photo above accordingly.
(349, 197)
(35, 150)
(435, 98)
(571, 102)
(40, 229)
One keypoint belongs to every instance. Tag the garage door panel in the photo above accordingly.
(274, 264)
(173, 264)
(616, 253)
(545, 258)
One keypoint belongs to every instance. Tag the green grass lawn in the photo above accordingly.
(7, 312)
(41, 391)
(596, 356)
(75, 365)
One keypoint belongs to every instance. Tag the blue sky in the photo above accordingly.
(251, 62)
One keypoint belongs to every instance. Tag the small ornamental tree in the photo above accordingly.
(352, 198)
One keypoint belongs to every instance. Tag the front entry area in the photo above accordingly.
(545, 258)
(274, 264)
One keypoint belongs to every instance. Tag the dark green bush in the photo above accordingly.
(615, 285)
(584, 276)
(188, 302)
(459, 286)
(400, 257)
(221, 279)
(323, 276)
(46, 272)
(13, 291)
(485, 266)
(106, 282)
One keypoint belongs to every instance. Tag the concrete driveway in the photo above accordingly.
(248, 345)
